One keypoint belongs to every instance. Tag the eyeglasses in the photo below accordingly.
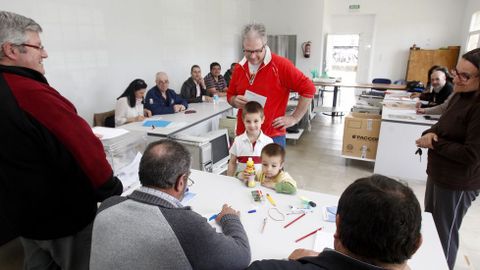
(40, 48)
(163, 82)
(254, 51)
(462, 76)
(190, 182)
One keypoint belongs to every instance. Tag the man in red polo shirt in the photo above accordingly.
(53, 170)
(271, 76)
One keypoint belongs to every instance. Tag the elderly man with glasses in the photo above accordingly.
(267, 74)
(162, 100)
(151, 229)
(53, 168)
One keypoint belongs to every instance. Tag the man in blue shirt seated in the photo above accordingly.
(162, 100)
(378, 227)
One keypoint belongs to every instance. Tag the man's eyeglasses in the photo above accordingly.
(254, 51)
(462, 76)
(40, 48)
(190, 182)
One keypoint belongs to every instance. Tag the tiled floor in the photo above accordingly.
(315, 162)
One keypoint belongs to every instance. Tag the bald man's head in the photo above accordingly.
(438, 79)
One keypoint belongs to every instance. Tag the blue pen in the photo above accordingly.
(213, 217)
(252, 211)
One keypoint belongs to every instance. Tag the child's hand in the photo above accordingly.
(242, 176)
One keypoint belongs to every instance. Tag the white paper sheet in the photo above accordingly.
(128, 175)
(323, 240)
(251, 96)
(108, 133)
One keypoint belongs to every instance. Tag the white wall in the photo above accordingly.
(96, 48)
(303, 18)
(430, 24)
(471, 7)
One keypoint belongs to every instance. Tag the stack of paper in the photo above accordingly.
(105, 133)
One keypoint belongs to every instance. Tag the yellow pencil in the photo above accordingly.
(270, 199)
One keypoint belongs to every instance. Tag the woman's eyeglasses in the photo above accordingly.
(462, 76)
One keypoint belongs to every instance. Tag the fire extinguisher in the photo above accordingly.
(306, 49)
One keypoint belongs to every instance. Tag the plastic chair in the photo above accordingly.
(229, 124)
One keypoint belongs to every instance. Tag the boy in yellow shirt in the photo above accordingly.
(272, 174)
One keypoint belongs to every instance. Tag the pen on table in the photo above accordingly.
(307, 235)
(293, 221)
(270, 199)
(264, 224)
(252, 211)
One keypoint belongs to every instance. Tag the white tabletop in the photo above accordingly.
(405, 116)
(276, 242)
(181, 121)
(398, 107)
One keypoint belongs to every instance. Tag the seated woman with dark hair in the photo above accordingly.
(129, 106)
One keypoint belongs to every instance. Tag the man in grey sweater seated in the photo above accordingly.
(150, 229)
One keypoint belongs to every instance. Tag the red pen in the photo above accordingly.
(305, 236)
(291, 222)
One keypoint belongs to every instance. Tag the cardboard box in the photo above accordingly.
(360, 135)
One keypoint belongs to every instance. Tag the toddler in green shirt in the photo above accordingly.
(272, 174)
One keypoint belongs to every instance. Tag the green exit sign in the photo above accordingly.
(354, 7)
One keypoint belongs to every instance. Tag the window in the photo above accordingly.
(474, 32)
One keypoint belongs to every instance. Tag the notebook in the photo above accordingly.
(156, 123)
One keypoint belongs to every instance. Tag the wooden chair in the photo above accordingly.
(104, 119)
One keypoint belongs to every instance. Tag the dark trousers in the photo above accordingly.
(448, 207)
(67, 253)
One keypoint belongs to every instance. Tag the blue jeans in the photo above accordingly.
(281, 140)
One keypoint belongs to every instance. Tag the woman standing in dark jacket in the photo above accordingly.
(454, 155)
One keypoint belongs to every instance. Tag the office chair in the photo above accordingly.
(382, 80)
(376, 91)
